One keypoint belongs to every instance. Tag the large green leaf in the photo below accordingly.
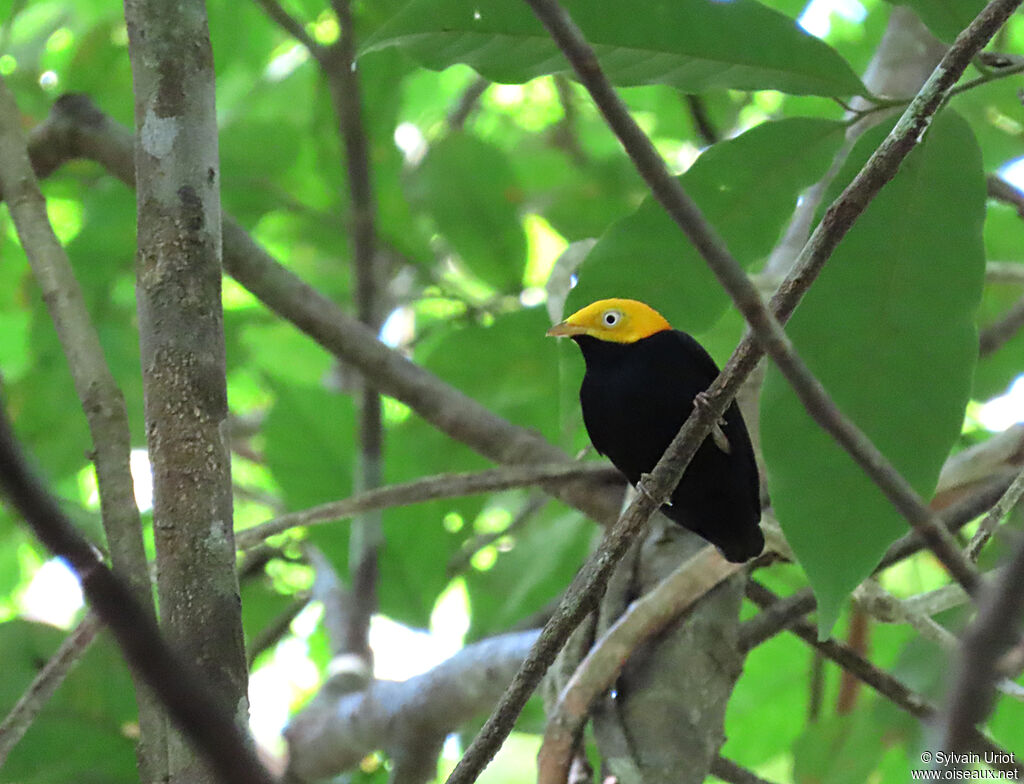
(86, 719)
(468, 187)
(310, 442)
(945, 18)
(529, 573)
(840, 749)
(694, 45)
(508, 366)
(889, 330)
(747, 187)
(418, 546)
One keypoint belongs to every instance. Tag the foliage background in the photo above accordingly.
(473, 213)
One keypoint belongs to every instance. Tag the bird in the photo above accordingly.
(640, 384)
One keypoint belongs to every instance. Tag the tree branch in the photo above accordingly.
(193, 706)
(336, 731)
(46, 682)
(364, 546)
(701, 121)
(646, 617)
(101, 399)
(995, 630)
(885, 684)
(461, 560)
(429, 489)
(467, 103)
(1002, 507)
(276, 13)
(181, 340)
(997, 334)
(1006, 192)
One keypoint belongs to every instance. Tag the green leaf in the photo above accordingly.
(945, 18)
(311, 436)
(747, 187)
(838, 750)
(738, 44)
(508, 366)
(93, 707)
(537, 567)
(310, 433)
(467, 186)
(414, 566)
(889, 330)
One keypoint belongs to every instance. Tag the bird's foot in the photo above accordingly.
(700, 400)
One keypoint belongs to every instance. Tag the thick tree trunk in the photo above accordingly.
(182, 342)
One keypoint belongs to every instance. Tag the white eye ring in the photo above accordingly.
(611, 318)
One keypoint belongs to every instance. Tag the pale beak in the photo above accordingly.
(565, 330)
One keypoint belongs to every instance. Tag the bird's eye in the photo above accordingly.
(611, 317)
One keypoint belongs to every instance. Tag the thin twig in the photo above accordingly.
(101, 398)
(953, 518)
(46, 682)
(994, 631)
(274, 631)
(701, 121)
(196, 709)
(1002, 331)
(275, 11)
(729, 771)
(1001, 73)
(1007, 192)
(430, 489)
(367, 537)
(988, 525)
(774, 618)
(467, 103)
(885, 684)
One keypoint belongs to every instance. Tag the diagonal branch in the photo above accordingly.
(101, 399)
(994, 631)
(193, 706)
(1002, 507)
(46, 682)
(881, 681)
(275, 11)
(429, 489)
(1000, 332)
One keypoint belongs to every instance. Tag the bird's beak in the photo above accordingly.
(565, 329)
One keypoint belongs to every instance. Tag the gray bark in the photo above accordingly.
(182, 348)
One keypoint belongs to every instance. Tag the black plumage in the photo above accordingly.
(635, 396)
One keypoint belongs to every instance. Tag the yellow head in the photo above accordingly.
(614, 320)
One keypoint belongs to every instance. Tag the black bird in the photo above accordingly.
(641, 380)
